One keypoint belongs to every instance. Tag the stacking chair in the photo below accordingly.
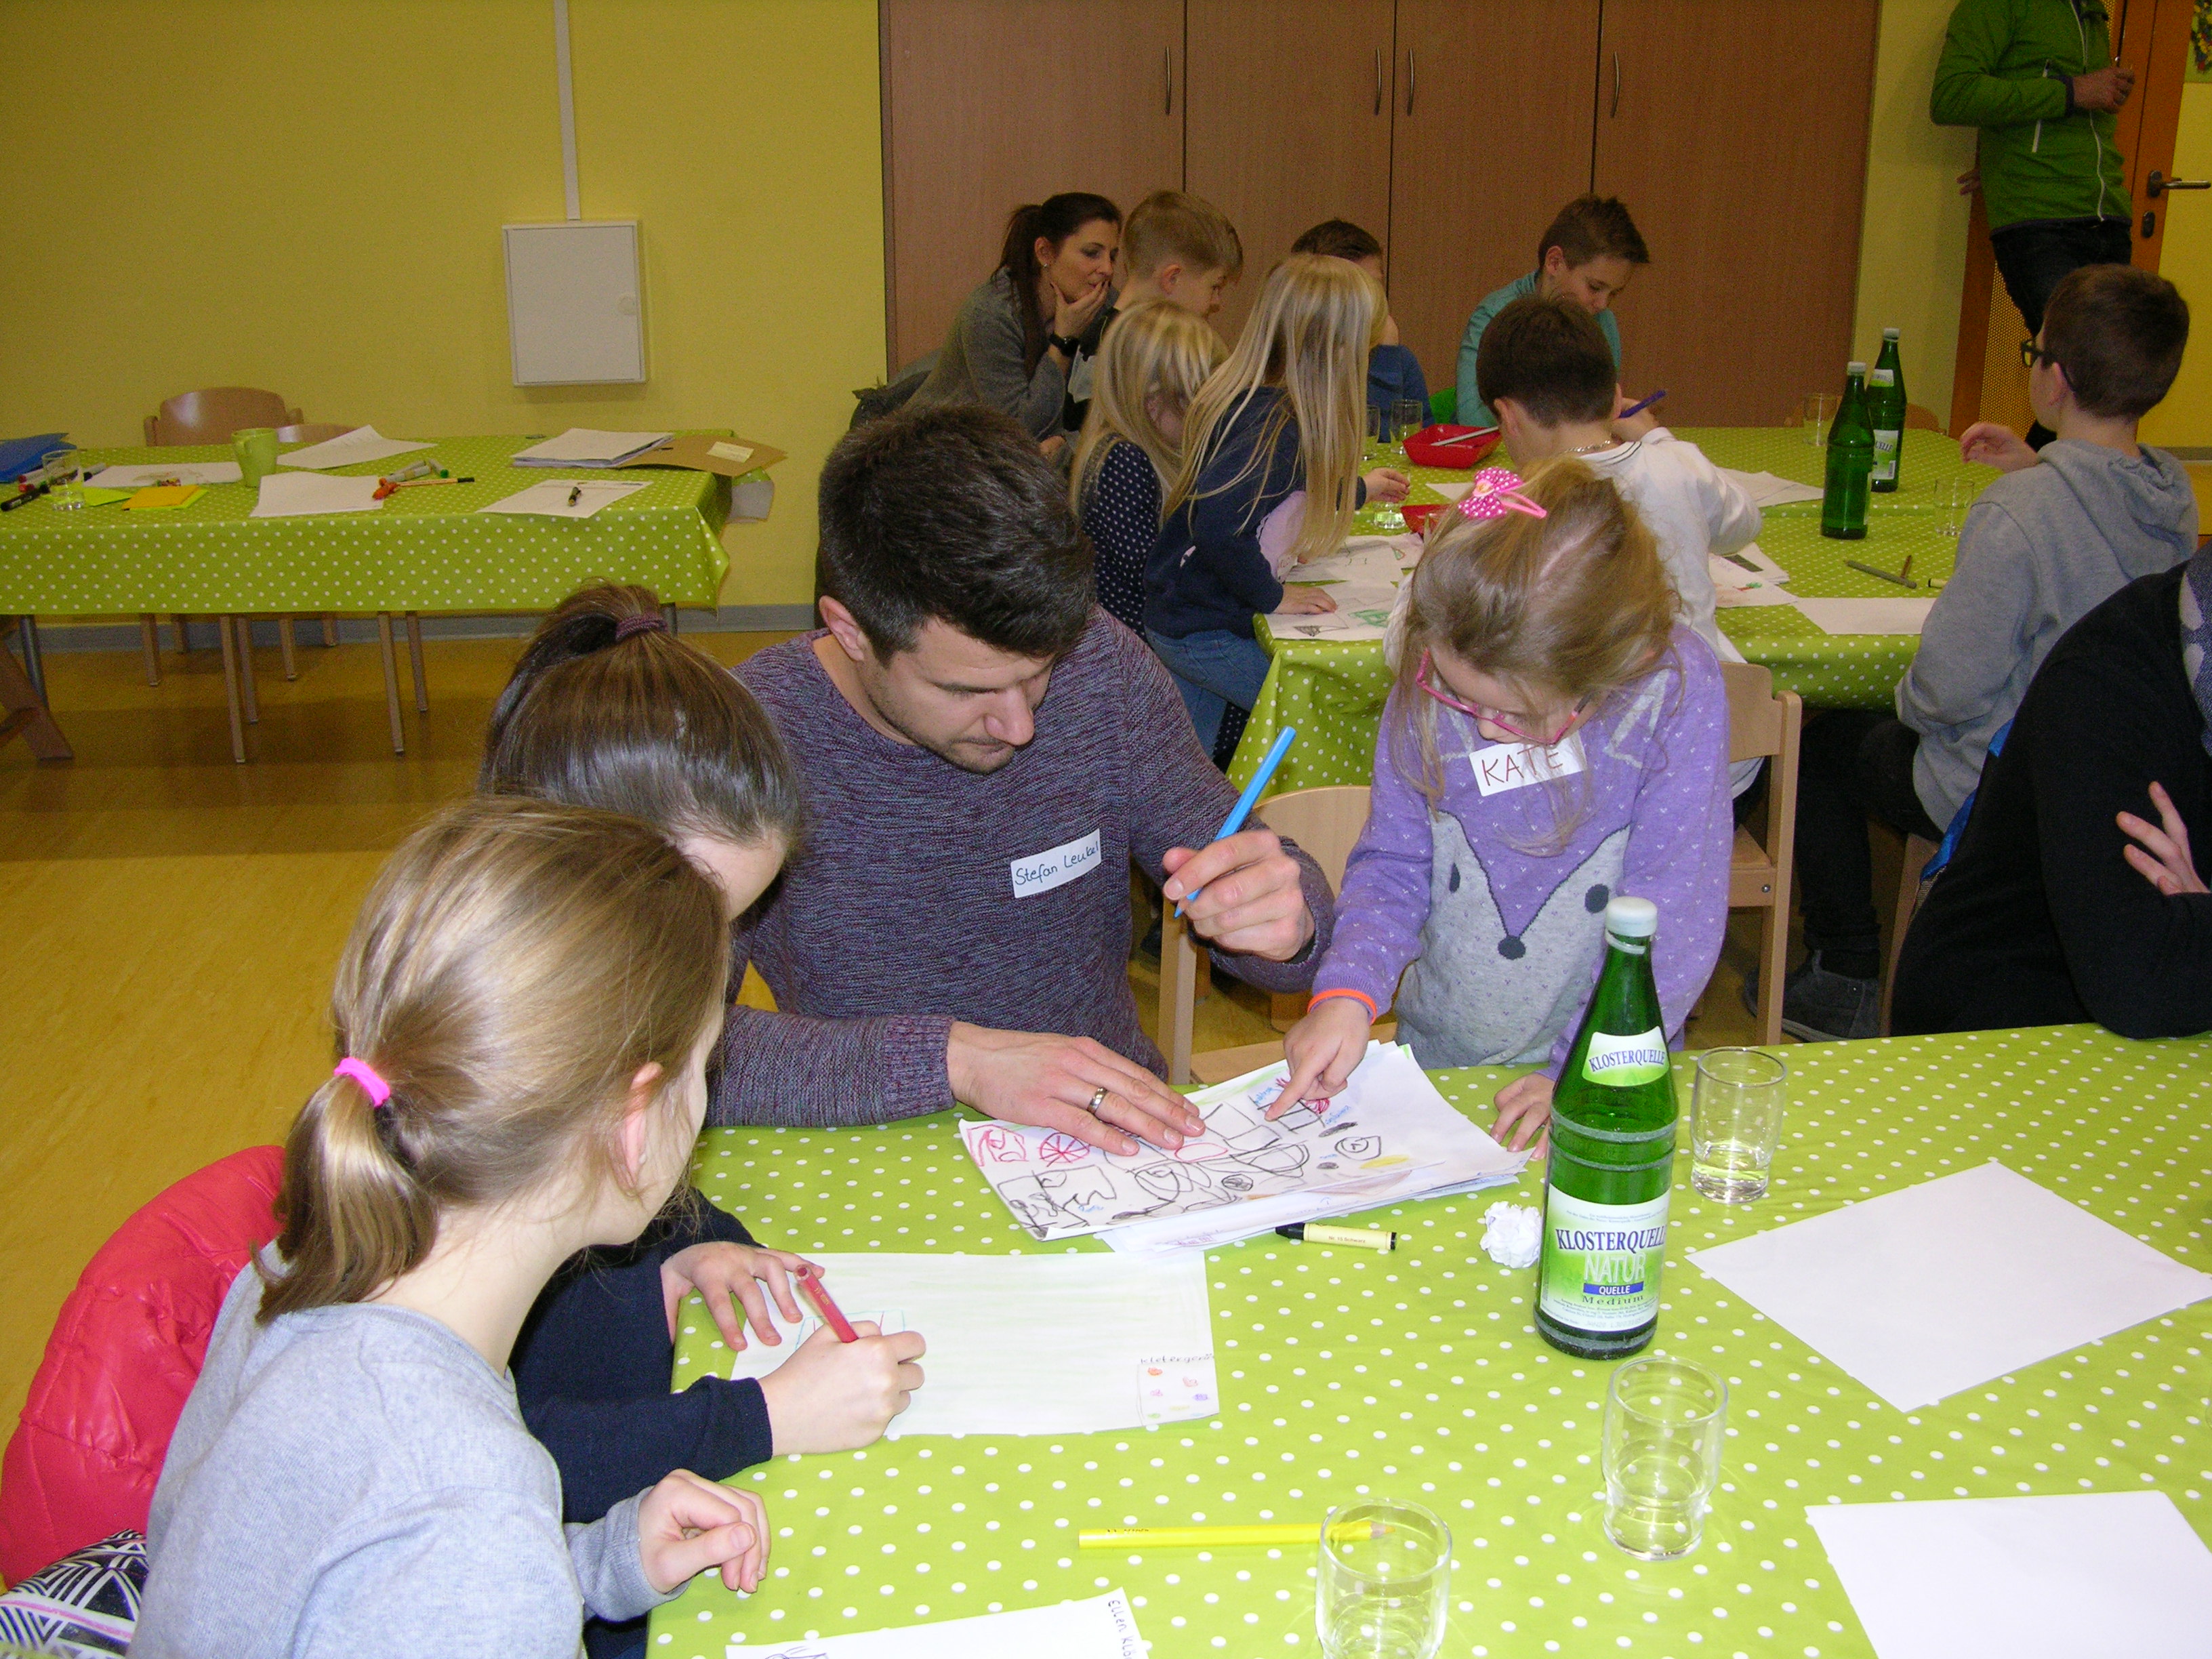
(1762, 722)
(1326, 824)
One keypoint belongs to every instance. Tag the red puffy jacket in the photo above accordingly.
(124, 1356)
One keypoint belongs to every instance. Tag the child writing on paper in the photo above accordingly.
(607, 710)
(524, 1007)
(1555, 736)
(1272, 448)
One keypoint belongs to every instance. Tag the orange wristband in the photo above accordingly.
(1320, 997)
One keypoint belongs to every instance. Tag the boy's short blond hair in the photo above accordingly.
(1168, 227)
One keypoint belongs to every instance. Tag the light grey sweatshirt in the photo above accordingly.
(356, 1481)
(982, 363)
(2042, 548)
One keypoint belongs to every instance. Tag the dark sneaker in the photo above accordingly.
(1822, 1006)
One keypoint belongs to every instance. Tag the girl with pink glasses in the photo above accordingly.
(1556, 736)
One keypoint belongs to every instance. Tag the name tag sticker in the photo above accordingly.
(1056, 867)
(1504, 766)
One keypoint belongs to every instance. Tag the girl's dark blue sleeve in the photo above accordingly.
(1122, 519)
(1224, 525)
(592, 1372)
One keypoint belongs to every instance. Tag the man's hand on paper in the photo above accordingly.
(723, 1272)
(1525, 1106)
(1321, 1049)
(832, 1396)
(1035, 1078)
(1250, 899)
(1987, 444)
(2167, 865)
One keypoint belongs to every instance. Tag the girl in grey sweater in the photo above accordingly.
(525, 1007)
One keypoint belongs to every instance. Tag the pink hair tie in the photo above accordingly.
(1495, 492)
(629, 625)
(360, 1071)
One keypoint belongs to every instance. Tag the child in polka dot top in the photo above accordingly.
(1556, 736)
(1154, 358)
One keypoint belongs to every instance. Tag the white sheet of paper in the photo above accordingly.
(2058, 1577)
(550, 499)
(294, 495)
(137, 476)
(1102, 1627)
(1032, 1345)
(1733, 584)
(363, 443)
(1866, 616)
(1766, 489)
(758, 1359)
(583, 446)
(1937, 1287)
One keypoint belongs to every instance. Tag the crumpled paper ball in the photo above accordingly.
(1513, 1234)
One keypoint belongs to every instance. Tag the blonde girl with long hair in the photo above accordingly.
(1155, 357)
(522, 1016)
(1556, 736)
(1271, 463)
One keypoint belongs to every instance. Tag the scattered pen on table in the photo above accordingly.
(575, 494)
(1738, 559)
(1340, 1232)
(1468, 437)
(809, 1280)
(1122, 1538)
(1902, 577)
(1245, 802)
(1638, 407)
(419, 484)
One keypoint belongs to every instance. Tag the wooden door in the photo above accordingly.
(1289, 123)
(988, 104)
(1487, 145)
(1736, 130)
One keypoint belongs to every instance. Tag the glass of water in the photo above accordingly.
(65, 472)
(1735, 1118)
(1820, 410)
(1384, 1584)
(1663, 1420)
(1408, 417)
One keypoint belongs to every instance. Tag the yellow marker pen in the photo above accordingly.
(1336, 1233)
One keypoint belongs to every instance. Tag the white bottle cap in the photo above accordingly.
(1631, 918)
(1854, 368)
(1889, 334)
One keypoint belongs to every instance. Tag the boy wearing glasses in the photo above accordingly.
(2061, 533)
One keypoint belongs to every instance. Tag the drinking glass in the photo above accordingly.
(1820, 410)
(64, 476)
(1378, 425)
(1382, 1594)
(1963, 493)
(1661, 1455)
(1735, 1117)
(1408, 417)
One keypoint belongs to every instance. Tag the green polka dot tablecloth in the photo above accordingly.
(1333, 691)
(1419, 1375)
(423, 549)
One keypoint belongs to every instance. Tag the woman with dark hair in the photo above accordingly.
(1016, 337)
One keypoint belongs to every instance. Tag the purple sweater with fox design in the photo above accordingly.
(1504, 938)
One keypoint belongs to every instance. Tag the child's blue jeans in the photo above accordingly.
(1212, 669)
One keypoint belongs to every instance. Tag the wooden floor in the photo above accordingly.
(173, 921)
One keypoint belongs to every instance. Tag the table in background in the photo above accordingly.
(1334, 690)
(1419, 1375)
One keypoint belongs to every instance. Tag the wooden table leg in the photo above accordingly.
(668, 616)
(415, 658)
(330, 629)
(230, 688)
(390, 681)
(243, 628)
(149, 636)
(23, 712)
(184, 638)
(284, 644)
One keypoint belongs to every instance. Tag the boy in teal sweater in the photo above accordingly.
(1587, 255)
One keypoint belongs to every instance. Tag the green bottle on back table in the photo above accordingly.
(1886, 412)
(1850, 462)
(1613, 1157)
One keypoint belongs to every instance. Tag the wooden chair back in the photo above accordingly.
(1326, 824)
(1918, 419)
(1762, 722)
(211, 414)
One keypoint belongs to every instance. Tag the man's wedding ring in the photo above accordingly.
(1096, 1101)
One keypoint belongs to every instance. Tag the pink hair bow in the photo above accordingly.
(1495, 492)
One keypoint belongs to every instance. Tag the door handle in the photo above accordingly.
(1616, 85)
(1167, 80)
(2158, 184)
(1378, 80)
(1409, 80)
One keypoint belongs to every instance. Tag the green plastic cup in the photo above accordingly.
(256, 449)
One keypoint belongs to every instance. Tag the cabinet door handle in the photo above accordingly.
(1409, 80)
(1378, 80)
(1615, 110)
(1167, 80)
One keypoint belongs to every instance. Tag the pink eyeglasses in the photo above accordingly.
(1423, 678)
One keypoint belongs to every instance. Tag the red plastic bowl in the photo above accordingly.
(1427, 448)
(1419, 514)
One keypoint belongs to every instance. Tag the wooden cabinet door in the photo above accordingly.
(1491, 140)
(1289, 123)
(989, 104)
(1736, 130)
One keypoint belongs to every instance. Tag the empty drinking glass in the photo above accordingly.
(1663, 1455)
(1963, 493)
(1384, 1583)
(64, 474)
(1820, 410)
(1735, 1117)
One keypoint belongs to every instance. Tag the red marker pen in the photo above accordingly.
(810, 1281)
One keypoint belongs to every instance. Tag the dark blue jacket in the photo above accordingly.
(1392, 371)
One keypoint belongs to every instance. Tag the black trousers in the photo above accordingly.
(1854, 764)
(2033, 257)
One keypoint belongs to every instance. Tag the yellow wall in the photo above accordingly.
(1912, 243)
(2184, 419)
(307, 195)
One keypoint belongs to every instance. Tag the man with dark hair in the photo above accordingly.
(2042, 548)
(1586, 255)
(1393, 371)
(985, 753)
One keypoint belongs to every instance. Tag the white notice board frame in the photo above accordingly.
(574, 302)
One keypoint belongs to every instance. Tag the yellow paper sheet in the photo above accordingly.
(162, 495)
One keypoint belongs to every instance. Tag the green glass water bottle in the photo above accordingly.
(1886, 412)
(1850, 462)
(1613, 1157)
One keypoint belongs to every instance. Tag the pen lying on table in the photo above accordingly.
(1902, 575)
(1211, 1537)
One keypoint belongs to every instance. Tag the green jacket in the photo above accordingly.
(2005, 69)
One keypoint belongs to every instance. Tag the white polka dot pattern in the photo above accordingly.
(1419, 1375)
(424, 550)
